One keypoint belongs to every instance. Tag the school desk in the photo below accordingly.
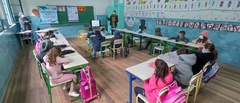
(22, 38)
(143, 72)
(59, 40)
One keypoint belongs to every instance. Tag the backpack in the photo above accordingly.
(210, 72)
(88, 86)
(37, 46)
(175, 94)
(125, 51)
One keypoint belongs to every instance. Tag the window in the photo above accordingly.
(8, 11)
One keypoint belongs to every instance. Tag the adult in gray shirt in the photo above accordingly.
(24, 22)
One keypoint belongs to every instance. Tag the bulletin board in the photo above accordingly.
(85, 14)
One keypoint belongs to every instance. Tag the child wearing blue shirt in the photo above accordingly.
(180, 37)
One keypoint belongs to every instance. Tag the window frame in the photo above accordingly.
(8, 11)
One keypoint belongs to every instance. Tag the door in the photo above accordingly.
(109, 13)
(121, 15)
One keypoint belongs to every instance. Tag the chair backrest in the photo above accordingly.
(82, 31)
(37, 60)
(118, 41)
(207, 65)
(105, 43)
(195, 77)
(45, 75)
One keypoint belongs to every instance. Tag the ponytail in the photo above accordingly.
(215, 53)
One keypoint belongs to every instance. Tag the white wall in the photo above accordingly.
(100, 6)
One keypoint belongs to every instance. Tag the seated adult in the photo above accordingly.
(97, 43)
(209, 53)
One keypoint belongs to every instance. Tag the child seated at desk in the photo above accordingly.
(183, 60)
(157, 33)
(209, 53)
(97, 43)
(159, 79)
(53, 62)
(117, 35)
(203, 39)
(180, 37)
(90, 33)
(45, 46)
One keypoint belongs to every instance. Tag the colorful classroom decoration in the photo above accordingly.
(72, 12)
(200, 25)
(48, 14)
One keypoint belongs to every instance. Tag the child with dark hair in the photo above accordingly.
(157, 33)
(159, 79)
(183, 60)
(97, 43)
(209, 53)
(180, 37)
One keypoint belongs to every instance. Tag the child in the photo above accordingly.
(46, 45)
(183, 60)
(97, 43)
(159, 79)
(90, 33)
(157, 33)
(53, 62)
(209, 53)
(203, 38)
(181, 37)
(117, 35)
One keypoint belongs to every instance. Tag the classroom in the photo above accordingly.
(119, 51)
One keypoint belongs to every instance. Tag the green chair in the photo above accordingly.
(38, 63)
(116, 50)
(106, 45)
(48, 82)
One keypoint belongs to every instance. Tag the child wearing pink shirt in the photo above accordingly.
(53, 62)
(159, 79)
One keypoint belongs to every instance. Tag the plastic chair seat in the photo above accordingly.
(53, 85)
(185, 90)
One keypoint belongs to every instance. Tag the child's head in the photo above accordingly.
(210, 48)
(97, 32)
(52, 54)
(183, 51)
(90, 29)
(204, 34)
(161, 70)
(157, 30)
(182, 34)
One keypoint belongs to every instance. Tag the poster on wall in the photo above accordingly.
(185, 6)
(212, 4)
(72, 13)
(48, 14)
(236, 5)
(220, 4)
(192, 5)
(205, 4)
(198, 5)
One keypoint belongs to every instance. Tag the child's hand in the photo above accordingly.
(152, 64)
(184, 43)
